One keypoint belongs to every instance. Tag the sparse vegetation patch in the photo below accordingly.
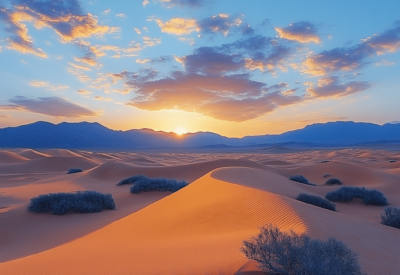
(74, 170)
(289, 253)
(144, 184)
(391, 217)
(347, 193)
(317, 201)
(333, 181)
(80, 202)
(301, 179)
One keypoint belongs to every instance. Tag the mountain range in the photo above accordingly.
(86, 135)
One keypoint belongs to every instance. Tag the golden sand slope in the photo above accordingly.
(197, 230)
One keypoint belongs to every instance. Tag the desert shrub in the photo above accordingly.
(74, 170)
(391, 217)
(301, 179)
(132, 179)
(326, 175)
(144, 184)
(325, 161)
(289, 253)
(317, 201)
(347, 193)
(333, 181)
(392, 161)
(80, 202)
(161, 184)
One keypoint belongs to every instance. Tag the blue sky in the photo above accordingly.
(232, 67)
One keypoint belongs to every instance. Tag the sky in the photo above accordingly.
(235, 68)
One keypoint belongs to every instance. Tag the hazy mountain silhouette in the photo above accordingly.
(85, 135)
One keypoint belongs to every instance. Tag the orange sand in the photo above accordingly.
(197, 230)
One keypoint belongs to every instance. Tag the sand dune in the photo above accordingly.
(50, 164)
(61, 153)
(11, 157)
(32, 154)
(199, 229)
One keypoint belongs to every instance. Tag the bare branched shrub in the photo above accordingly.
(288, 253)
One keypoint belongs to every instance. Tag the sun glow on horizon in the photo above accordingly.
(180, 131)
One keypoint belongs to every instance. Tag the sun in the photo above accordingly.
(180, 131)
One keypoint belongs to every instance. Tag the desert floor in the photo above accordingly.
(200, 228)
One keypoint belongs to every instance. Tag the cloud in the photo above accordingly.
(79, 67)
(87, 60)
(51, 106)
(66, 18)
(254, 53)
(384, 62)
(150, 42)
(230, 98)
(353, 57)
(4, 116)
(106, 11)
(142, 61)
(207, 60)
(81, 77)
(221, 23)
(185, 3)
(145, 2)
(331, 87)
(137, 31)
(178, 26)
(84, 92)
(303, 32)
(121, 15)
(102, 98)
(47, 85)
(188, 40)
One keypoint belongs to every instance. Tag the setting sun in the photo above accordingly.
(180, 131)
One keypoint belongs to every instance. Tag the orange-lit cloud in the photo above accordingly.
(178, 26)
(47, 85)
(87, 60)
(183, 3)
(84, 92)
(331, 87)
(303, 32)
(102, 98)
(66, 19)
(142, 61)
(230, 98)
(79, 67)
(51, 106)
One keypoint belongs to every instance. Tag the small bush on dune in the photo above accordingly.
(317, 201)
(325, 161)
(301, 179)
(347, 193)
(74, 170)
(333, 181)
(144, 184)
(391, 217)
(326, 175)
(392, 161)
(289, 253)
(80, 202)
(132, 179)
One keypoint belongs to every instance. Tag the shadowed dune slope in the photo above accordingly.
(50, 164)
(32, 154)
(11, 157)
(376, 244)
(116, 171)
(200, 233)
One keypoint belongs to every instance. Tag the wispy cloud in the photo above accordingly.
(303, 32)
(221, 23)
(145, 2)
(185, 3)
(353, 57)
(84, 92)
(137, 31)
(47, 85)
(51, 106)
(121, 15)
(332, 87)
(102, 98)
